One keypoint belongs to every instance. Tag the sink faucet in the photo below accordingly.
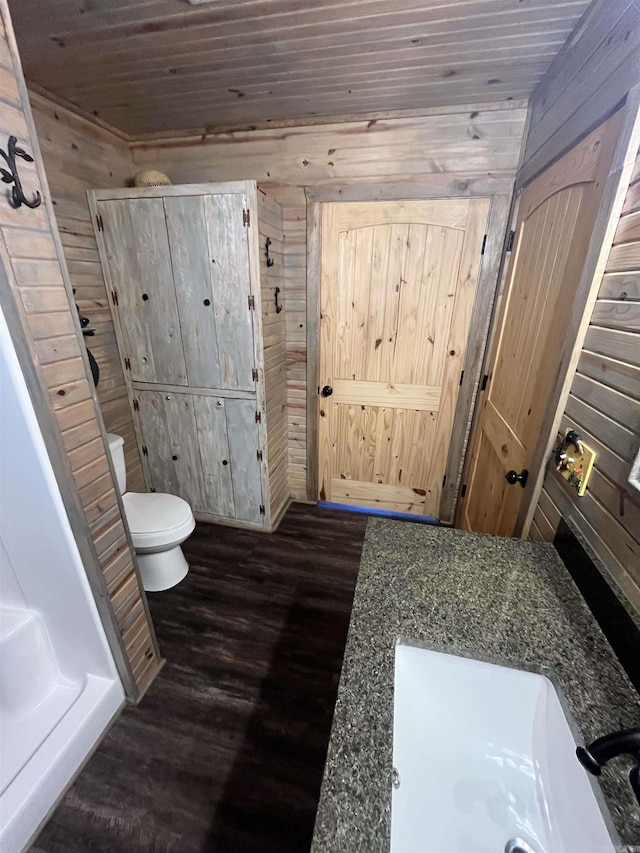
(627, 742)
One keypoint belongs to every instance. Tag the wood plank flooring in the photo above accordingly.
(226, 751)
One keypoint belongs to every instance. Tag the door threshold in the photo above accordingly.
(385, 513)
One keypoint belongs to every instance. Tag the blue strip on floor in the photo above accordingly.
(386, 513)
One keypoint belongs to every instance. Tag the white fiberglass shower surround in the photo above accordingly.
(59, 688)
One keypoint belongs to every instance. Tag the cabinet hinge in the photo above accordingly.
(99, 222)
(252, 302)
(127, 363)
(484, 244)
(262, 509)
(114, 297)
(145, 452)
(463, 491)
(444, 480)
(258, 418)
(510, 241)
(246, 218)
(136, 406)
(254, 374)
(259, 455)
(461, 376)
(485, 379)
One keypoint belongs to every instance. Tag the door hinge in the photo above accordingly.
(485, 379)
(136, 406)
(463, 491)
(254, 374)
(461, 376)
(510, 241)
(246, 218)
(259, 455)
(258, 418)
(127, 363)
(484, 244)
(145, 452)
(444, 480)
(262, 509)
(114, 297)
(99, 222)
(252, 302)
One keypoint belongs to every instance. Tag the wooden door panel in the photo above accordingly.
(189, 244)
(138, 257)
(379, 496)
(215, 454)
(555, 220)
(231, 288)
(242, 433)
(398, 286)
(498, 511)
(396, 395)
(168, 426)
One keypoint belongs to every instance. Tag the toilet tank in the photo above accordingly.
(116, 448)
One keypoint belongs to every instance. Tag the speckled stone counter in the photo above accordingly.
(504, 600)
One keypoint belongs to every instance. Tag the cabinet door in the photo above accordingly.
(210, 259)
(169, 431)
(137, 247)
(227, 431)
(203, 449)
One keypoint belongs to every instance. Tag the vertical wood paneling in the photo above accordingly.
(271, 227)
(604, 406)
(46, 313)
(460, 144)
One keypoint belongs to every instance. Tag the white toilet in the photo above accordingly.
(159, 524)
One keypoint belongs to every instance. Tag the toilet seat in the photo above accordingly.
(157, 520)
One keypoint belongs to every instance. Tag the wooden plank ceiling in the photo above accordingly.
(150, 66)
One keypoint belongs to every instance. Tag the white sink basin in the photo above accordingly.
(483, 755)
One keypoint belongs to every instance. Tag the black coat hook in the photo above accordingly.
(270, 261)
(11, 176)
(278, 306)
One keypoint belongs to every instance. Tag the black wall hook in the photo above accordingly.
(10, 176)
(270, 261)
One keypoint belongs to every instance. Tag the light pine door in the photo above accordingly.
(398, 284)
(555, 219)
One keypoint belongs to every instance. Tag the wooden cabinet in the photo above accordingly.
(201, 344)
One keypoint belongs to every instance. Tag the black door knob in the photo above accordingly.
(512, 477)
(327, 391)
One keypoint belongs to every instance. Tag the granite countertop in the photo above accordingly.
(504, 600)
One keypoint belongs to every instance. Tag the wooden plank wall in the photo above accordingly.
(78, 156)
(271, 227)
(40, 298)
(604, 406)
(458, 143)
(588, 78)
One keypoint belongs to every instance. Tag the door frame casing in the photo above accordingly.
(617, 182)
(500, 193)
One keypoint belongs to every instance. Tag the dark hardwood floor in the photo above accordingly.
(226, 751)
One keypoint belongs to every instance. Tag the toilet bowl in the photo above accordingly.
(159, 524)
